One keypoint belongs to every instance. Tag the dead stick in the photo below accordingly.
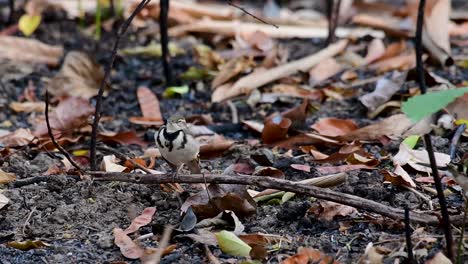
(51, 135)
(97, 113)
(427, 137)
(163, 28)
(271, 183)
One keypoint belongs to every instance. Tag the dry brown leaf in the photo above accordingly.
(79, 76)
(327, 211)
(149, 105)
(398, 178)
(458, 108)
(231, 69)
(375, 50)
(259, 40)
(127, 246)
(309, 255)
(20, 137)
(275, 129)
(141, 220)
(71, 113)
(301, 167)
(333, 127)
(342, 168)
(213, 146)
(323, 71)
(252, 81)
(391, 25)
(436, 29)
(401, 62)
(6, 177)
(439, 258)
(28, 107)
(124, 137)
(29, 50)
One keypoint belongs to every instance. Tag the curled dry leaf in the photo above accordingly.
(71, 114)
(79, 76)
(109, 164)
(29, 50)
(127, 246)
(436, 30)
(223, 197)
(20, 137)
(141, 220)
(333, 127)
(309, 255)
(275, 129)
(384, 90)
(327, 211)
(398, 178)
(149, 105)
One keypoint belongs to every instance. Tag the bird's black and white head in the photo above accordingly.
(175, 123)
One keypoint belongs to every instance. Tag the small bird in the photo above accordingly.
(177, 146)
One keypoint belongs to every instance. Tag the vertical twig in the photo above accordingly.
(97, 113)
(11, 4)
(409, 245)
(112, 12)
(427, 138)
(51, 135)
(163, 25)
(333, 14)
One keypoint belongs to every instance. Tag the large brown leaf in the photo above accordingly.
(29, 50)
(71, 114)
(79, 76)
(149, 105)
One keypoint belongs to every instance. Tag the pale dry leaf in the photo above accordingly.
(28, 107)
(79, 76)
(3, 200)
(384, 90)
(6, 177)
(20, 137)
(415, 158)
(323, 71)
(29, 50)
(109, 164)
(375, 50)
(231, 69)
(252, 81)
(141, 220)
(127, 246)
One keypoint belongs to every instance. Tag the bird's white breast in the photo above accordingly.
(178, 151)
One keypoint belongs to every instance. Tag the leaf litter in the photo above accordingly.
(318, 110)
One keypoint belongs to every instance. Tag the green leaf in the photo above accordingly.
(411, 141)
(232, 245)
(153, 49)
(176, 90)
(27, 24)
(287, 196)
(418, 107)
(194, 73)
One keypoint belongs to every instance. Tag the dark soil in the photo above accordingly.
(76, 216)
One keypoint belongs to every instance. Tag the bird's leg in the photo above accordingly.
(174, 171)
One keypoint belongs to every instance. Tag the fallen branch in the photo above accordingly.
(273, 183)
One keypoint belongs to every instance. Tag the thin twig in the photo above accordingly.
(11, 4)
(156, 257)
(51, 135)
(409, 245)
(27, 220)
(166, 55)
(250, 14)
(97, 113)
(455, 139)
(271, 183)
(333, 13)
(427, 138)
